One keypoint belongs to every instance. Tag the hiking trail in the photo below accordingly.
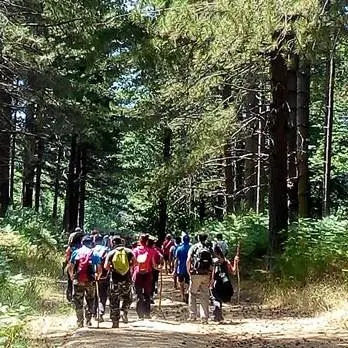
(246, 325)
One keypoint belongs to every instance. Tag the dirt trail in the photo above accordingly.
(247, 325)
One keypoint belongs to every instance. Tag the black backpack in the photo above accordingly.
(202, 259)
(222, 288)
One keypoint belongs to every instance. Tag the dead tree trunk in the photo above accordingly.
(83, 178)
(71, 199)
(329, 113)
(162, 204)
(56, 183)
(29, 158)
(303, 98)
(40, 152)
(251, 147)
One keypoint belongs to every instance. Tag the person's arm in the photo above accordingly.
(189, 260)
(176, 262)
(107, 262)
(233, 268)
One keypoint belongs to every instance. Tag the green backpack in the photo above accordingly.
(120, 262)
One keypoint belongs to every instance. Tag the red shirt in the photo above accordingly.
(167, 244)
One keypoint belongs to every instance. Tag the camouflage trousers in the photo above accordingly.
(120, 291)
(84, 291)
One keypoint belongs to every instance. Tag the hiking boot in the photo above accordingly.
(115, 324)
(204, 321)
(147, 316)
(191, 319)
(101, 319)
(79, 324)
(152, 301)
(125, 317)
(88, 322)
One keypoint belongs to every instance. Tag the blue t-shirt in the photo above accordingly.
(96, 259)
(181, 254)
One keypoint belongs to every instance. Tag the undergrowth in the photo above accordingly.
(29, 269)
(310, 299)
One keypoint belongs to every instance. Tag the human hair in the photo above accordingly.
(218, 251)
(168, 237)
(178, 240)
(143, 239)
(202, 237)
(150, 243)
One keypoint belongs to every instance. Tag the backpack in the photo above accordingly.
(202, 259)
(85, 270)
(222, 288)
(143, 262)
(102, 251)
(120, 261)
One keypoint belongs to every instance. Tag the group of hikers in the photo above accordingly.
(105, 267)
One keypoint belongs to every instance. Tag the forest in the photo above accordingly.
(169, 116)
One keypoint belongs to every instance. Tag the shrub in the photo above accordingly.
(315, 248)
(250, 229)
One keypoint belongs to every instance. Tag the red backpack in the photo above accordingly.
(85, 269)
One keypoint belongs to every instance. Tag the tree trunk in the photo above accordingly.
(56, 183)
(13, 157)
(278, 204)
(329, 103)
(29, 159)
(292, 138)
(162, 204)
(5, 127)
(40, 152)
(303, 98)
(251, 141)
(83, 178)
(229, 181)
(260, 175)
(71, 200)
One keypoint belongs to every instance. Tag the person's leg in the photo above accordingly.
(181, 279)
(147, 294)
(115, 304)
(139, 290)
(78, 296)
(126, 300)
(217, 308)
(90, 301)
(193, 290)
(103, 294)
(69, 290)
(204, 296)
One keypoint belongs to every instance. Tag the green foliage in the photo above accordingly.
(250, 230)
(37, 229)
(315, 248)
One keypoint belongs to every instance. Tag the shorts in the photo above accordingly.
(184, 278)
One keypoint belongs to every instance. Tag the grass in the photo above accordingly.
(310, 299)
(28, 286)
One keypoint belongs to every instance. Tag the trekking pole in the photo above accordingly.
(238, 274)
(98, 301)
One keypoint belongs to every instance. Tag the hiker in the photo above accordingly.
(172, 257)
(180, 269)
(74, 242)
(158, 260)
(84, 268)
(142, 277)
(120, 261)
(221, 243)
(199, 266)
(221, 286)
(167, 244)
(103, 283)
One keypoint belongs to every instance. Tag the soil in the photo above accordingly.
(245, 325)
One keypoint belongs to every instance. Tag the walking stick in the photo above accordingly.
(238, 273)
(160, 294)
(98, 299)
